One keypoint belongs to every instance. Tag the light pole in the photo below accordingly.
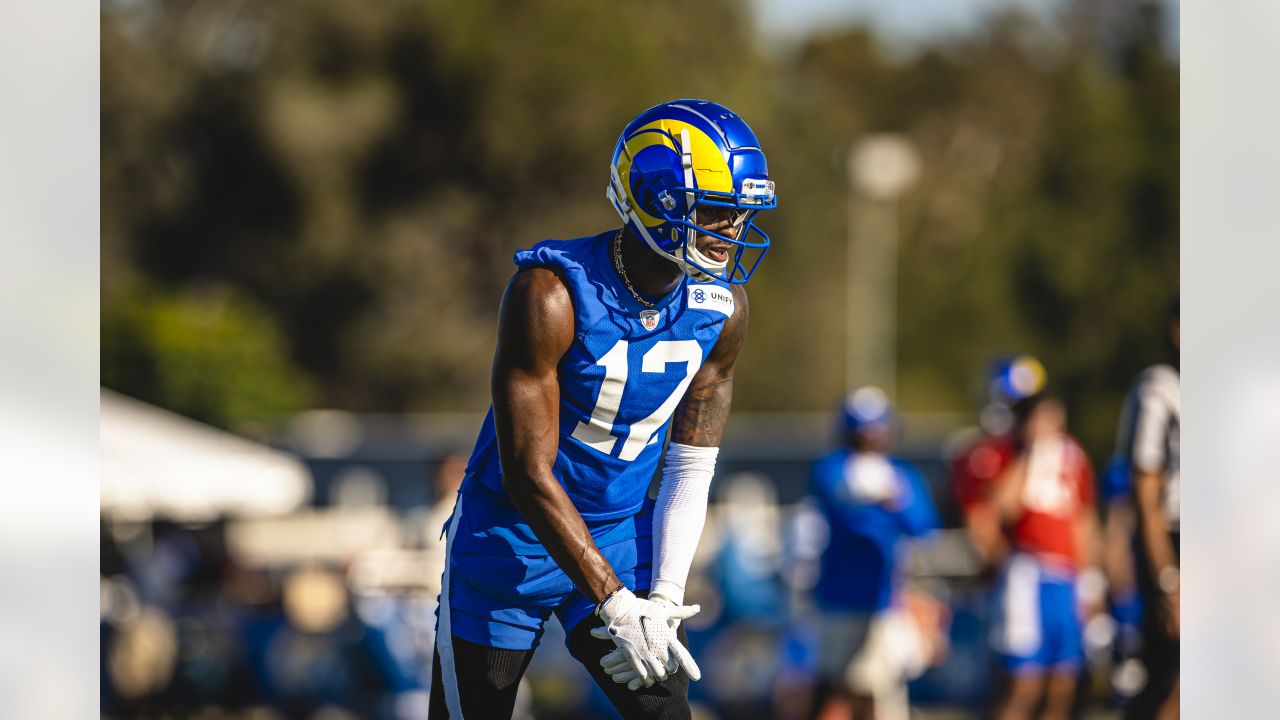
(880, 168)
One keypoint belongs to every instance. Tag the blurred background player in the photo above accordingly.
(1148, 437)
(972, 470)
(1028, 498)
(1128, 675)
(445, 482)
(874, 504)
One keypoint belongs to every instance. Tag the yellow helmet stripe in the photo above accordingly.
(710, 168)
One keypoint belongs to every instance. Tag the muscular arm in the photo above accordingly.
(1007, 489)
(1119, 528)
(1088, 534)
(1153, 525)
(702, 414)
(982, 521)
(981, 517)
(988, 522)
(681, 509)
(535, 329)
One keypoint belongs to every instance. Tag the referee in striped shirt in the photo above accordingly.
(1149, 437)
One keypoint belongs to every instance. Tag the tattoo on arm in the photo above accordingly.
(701, 416)
(703, 413)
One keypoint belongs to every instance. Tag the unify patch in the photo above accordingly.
(710, 297)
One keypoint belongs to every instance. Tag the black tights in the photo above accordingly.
(487, 679)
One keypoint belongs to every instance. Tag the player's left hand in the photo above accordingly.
(656, 652)
(679, 656)
(668, 602)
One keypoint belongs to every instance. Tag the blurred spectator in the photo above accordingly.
(805, 538)
(141, 661)
(873, 637)
(1042, 492)
(1149, 439)
(1128, 674)
(445, 482)
(749, 558)
(317, 653)
(185, 629)
(447, 479)
(974, 468)
(741, 595)
(1028, 495)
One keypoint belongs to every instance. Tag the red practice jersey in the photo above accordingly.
(1058, 488)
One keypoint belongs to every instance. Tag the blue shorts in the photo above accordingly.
(500, 593)
(1037, 620)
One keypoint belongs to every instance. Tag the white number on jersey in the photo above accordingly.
(1048, 489)
(598, 432)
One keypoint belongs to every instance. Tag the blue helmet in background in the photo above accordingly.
(684, 156)
(866, 409)
(1015, 378)
(1011, 380)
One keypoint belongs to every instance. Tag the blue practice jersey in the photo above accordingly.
(620, 381)
(870, 504)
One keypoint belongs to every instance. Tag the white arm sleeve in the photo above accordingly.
(679, 516)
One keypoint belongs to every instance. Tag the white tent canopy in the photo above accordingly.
(155, 462)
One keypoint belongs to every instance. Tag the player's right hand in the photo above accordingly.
(645, 632)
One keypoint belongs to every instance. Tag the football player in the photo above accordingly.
(1034, 486)
(874, 505)
(601, 340)
(1149, 439)
(972, 469)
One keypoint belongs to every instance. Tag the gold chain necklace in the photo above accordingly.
(617, 263)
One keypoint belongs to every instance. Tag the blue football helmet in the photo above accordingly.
(686, 157)
(866, 409)
(1010, 379)
(1015, 378)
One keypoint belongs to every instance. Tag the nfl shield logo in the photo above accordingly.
(649, 319)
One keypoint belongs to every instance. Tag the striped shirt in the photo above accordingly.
(1148, 434)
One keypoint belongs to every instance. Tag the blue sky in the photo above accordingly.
(903, 22)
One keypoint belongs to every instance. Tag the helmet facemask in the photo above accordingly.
(710, 209)
(680, 241)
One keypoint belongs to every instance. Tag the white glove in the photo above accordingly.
(669, 602)
(645, 633)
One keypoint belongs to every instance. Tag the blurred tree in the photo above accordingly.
(359, 174)
(209, 354)
(365, 171)
(1045, 220)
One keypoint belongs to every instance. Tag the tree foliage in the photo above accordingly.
(358, 175)
(209, 354)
